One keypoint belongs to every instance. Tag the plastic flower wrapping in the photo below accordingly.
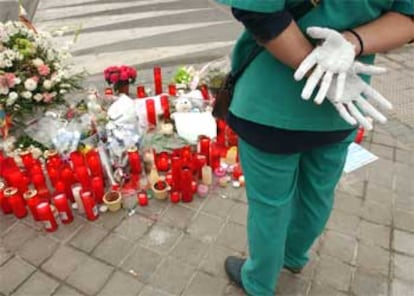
(34, 71)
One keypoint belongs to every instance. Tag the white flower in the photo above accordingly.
(26, 94)
(13, 96)
(17, 80)
(38, 62)
(38, 97)
(4, 90)
(30, 84)
(47, 84)
(63, 91)
(9, 64)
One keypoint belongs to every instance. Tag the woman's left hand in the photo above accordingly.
(356, 94)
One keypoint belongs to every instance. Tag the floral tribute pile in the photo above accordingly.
(34, 71)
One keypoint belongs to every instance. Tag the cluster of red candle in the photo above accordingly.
(43, 204)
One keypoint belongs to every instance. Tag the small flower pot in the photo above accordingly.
(160, 189)
(113, 200)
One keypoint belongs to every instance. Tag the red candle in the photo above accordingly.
(60, 187)
(151, 116)
(172, 90)
(134, 161)
(39, 182)
(98, 190)
(237, 172)
(77, 159)
(176, 165)
(53, 173)
(141, 92)
(36, 169)
(63, 207)
(4, 202)
(200, 161)
(16, 202)
(204, 92)
(165, 104)
(53, 159)
(32, 201)
(142, 199)
(231, 136)
(221, 136)
(162, 162)
(68, 178)
(186, 185)
(94, 163)
(204, 146)
(18, 180)
(157, 80)
(169, 179)
(89, 205)
(215, 156)
(46, 216)
(27, 159)
(360, 135)
(175, 197)
(194, 187)
(186, 155)
(83, 177)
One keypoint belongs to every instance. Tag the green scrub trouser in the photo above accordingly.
(290, 198)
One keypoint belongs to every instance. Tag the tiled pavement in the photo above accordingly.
(367, 249)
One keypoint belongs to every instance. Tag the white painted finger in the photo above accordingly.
(320, 33)
(343, 112)
(369, 110)
(361, 68)
(308, 63)
(312, 82)
(359, 117)
(371, 93)
(323, 90)
(340, 86)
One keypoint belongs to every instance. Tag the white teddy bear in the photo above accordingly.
(183, 104)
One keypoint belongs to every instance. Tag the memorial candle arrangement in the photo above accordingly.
(68, 180)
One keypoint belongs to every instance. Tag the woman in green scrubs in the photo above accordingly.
(292, 150)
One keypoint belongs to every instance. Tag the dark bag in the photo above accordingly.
(225, 93)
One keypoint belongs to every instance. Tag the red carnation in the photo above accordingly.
(114, 78)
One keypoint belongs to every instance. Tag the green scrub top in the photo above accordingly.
(267, 93)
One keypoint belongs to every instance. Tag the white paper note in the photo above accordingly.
(358, 157)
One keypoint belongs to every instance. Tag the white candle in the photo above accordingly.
(76, 191)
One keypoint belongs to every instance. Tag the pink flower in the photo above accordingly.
(124, 76)
(114, 78)
(48, 97)
(11, 79)
(43, 70)
(132, 73)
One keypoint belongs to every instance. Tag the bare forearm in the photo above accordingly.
(388, 32)
(290, 47)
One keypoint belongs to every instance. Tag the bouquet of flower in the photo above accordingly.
(33, 70)
(120, 76)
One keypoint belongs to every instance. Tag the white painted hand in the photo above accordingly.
(356, 93)
(332, 59)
